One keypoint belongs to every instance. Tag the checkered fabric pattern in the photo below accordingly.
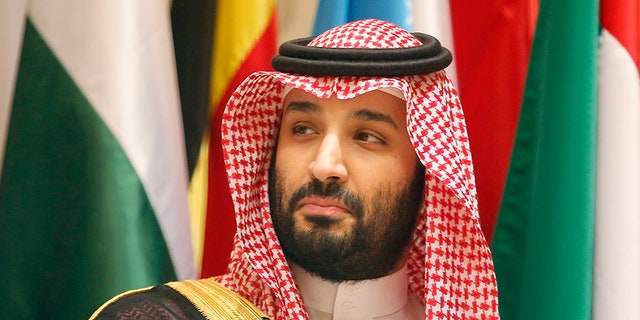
(450, 265)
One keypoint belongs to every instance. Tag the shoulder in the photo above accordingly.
(213, 299)
(190, 299)
(159, 302)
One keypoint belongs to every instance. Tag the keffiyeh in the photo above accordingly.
(449, 267)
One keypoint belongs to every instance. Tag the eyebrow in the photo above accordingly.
(362, 114)
(302, 106)
(368, 115)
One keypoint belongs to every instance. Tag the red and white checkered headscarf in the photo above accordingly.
(450, 265)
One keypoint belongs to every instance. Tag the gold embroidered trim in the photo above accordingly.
(215, 301)
(122, 295)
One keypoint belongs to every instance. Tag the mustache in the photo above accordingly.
(330, 190)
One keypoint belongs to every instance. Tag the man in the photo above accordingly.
(353, 187)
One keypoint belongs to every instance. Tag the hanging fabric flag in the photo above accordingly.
(12, 17)
(94, 177)
(192, 26)
(543, 243)
(245, 39)
(332, 13)
(616, 278)
(434, 18)
(492, 44)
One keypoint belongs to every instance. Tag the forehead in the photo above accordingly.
(377, 101)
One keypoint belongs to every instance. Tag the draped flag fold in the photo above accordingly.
(616, 270)
(94, 177)
(245, 39)
(543, 243)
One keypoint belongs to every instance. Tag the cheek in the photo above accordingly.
(291, 174)
(406, 162)
(291, 166)
(391, 172)
(279, 193)
(409, 163)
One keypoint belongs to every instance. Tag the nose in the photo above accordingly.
(329, 163)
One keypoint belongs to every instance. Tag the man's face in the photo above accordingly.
(346, 185)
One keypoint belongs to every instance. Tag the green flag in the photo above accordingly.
(94, 178)
(543, 244)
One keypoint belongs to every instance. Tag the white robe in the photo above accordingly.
(386, 298)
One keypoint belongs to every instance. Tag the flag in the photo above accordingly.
(296, 19)
(331, 13)
(94, 177)
(434, 18)
(12, 19)
(616, 270)
(192, 26)
(492, 44)
(543, 243)
(245, 40)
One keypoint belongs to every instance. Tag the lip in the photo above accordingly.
(318, 206)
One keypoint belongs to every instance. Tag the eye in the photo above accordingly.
(301, 129)
(368, 138)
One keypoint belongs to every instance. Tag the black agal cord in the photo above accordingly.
(297, 58)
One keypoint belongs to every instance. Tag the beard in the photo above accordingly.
(372, 248)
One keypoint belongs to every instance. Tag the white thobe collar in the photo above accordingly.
(384, 297)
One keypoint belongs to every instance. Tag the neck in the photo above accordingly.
(365, 299)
